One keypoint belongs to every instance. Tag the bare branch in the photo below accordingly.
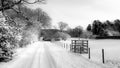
(15, 10)
(31, 3)
(8, 4)
(21, 13)
(38, 1)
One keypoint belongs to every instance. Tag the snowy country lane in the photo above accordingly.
(49, 55)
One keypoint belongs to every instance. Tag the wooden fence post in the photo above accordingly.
(89, 53)
(103, 59)
(75, 48)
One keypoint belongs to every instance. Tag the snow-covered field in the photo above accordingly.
(112, 51)
(111, 48)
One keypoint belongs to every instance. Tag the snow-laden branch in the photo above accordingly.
(8, 4)
(37, 1)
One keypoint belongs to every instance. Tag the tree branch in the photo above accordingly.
(40, 1)
(9, 4)
(31, 3)
(6, 4)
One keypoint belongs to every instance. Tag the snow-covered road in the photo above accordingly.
(49, 55)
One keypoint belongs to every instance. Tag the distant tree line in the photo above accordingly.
(73, 32)
(106, 28)
(103, 29)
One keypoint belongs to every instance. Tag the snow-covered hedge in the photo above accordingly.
(62, 35)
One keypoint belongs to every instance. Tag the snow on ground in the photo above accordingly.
(111, 47)
(23, 57)
(49, 55)
(66, 59)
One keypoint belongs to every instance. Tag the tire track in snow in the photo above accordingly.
(47, 60)
(37, 58)
(31, 61)
(61, 59)
(25, 59)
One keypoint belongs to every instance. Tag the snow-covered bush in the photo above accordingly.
(8, 39)
(62, 35)
(86, 34)
(7, 43)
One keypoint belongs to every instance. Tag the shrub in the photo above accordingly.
(62, 35)
(7, 43)
(8, 40)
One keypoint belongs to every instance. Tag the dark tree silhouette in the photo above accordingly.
(89, 27)
(117, 24)
(106, 28)
(77, 31)
(96, 27)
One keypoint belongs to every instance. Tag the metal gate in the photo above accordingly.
(79, 46)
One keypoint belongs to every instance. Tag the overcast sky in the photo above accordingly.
(82, 12)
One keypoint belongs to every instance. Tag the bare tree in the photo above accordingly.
(16, 5)
(62, 25)
(29, 16)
